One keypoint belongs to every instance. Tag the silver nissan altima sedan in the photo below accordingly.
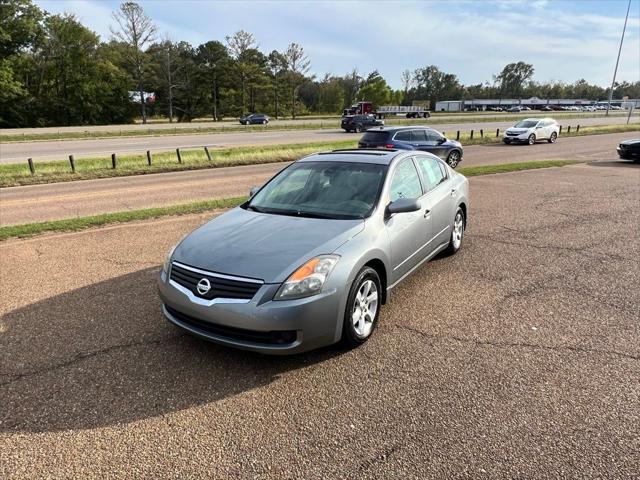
(312, 256)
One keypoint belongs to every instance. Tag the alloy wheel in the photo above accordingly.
(365, 307)
(453, 159)
(458, 230)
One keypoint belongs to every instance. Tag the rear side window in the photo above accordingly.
(403, 136)
(418, 136)
(405, 183)
(431, 171)
(375, 137)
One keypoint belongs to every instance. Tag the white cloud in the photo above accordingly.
(472, 39)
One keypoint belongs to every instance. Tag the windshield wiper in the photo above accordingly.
(255, 209)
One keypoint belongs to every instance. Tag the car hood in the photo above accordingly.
(634, 142)
(263, 246)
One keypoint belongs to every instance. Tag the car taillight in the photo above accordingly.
(389, 145)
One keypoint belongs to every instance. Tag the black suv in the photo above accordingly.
(414, 138)
(360, 123)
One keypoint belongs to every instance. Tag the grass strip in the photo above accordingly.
(324, 123)
(81, 223)
(15, 174)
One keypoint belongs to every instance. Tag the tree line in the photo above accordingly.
(54, 71)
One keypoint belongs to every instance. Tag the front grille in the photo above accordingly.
(220, 287)
(275, 337)
(512, 134)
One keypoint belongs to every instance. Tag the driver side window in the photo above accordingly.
(405, 182)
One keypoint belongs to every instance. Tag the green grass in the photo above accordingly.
(15, 174)
(305, 124)
(81, 223)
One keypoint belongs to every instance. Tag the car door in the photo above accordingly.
(407, 231)
(436, 143)
(439, 199)
(402, 139)
(419, 140)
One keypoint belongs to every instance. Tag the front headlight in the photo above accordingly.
(308, 279)
(167, 260)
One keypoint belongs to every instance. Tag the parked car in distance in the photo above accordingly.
(255, 119)
(425, 139)
(629, 150)
(312, 256)
(547, 108)
(514, 109)
(530, 130)
(359, 123)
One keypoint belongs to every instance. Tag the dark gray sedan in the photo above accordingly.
(313, 255)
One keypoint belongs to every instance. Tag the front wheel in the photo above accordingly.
(507, 141)
(359, 128)
(532, 139)
(457, 233)
(363, 308)
(453, 159)
(553, 137)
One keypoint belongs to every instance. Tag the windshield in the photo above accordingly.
(526, 124)
(338, 190)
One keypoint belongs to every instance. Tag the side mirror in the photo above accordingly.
(253, 191)
(441, 140)
(404, 205)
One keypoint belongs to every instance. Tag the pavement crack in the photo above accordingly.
(14, 377)
(380, 457)
(534, 346)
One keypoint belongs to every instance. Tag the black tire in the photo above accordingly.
(359, 129)
(454, 158)
(264, 122)
(507, 141)
(454, 246)
(532, 139)
(350, 338)
(553, 137)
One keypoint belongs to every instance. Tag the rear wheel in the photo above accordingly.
(553, 137)
(453, 159)
(264, 122)
(457, 233)
(532, 139)
(363, 308)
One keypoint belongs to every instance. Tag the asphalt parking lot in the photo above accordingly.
(516, 358)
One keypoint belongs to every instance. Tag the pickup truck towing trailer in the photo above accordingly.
(366, 108)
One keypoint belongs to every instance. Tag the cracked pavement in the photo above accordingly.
(516, 358)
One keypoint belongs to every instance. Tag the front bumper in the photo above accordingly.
(521, 138)
(627, 153)
(260, 325)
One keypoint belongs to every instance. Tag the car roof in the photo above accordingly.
(536, 119)
(380, 156)
(398, 128)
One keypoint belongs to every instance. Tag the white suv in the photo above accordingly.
(531, 129)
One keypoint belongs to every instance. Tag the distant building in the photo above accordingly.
(534, 103)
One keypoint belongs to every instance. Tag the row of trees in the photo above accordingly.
(55, 71)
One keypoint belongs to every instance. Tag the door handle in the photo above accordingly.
(427, 212)
(453, 192)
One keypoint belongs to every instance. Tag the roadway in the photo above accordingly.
(14, 152)
(89, 197)
(516, 358)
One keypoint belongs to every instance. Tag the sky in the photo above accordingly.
(565, 40)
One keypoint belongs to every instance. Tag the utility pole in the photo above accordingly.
(615, 71)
